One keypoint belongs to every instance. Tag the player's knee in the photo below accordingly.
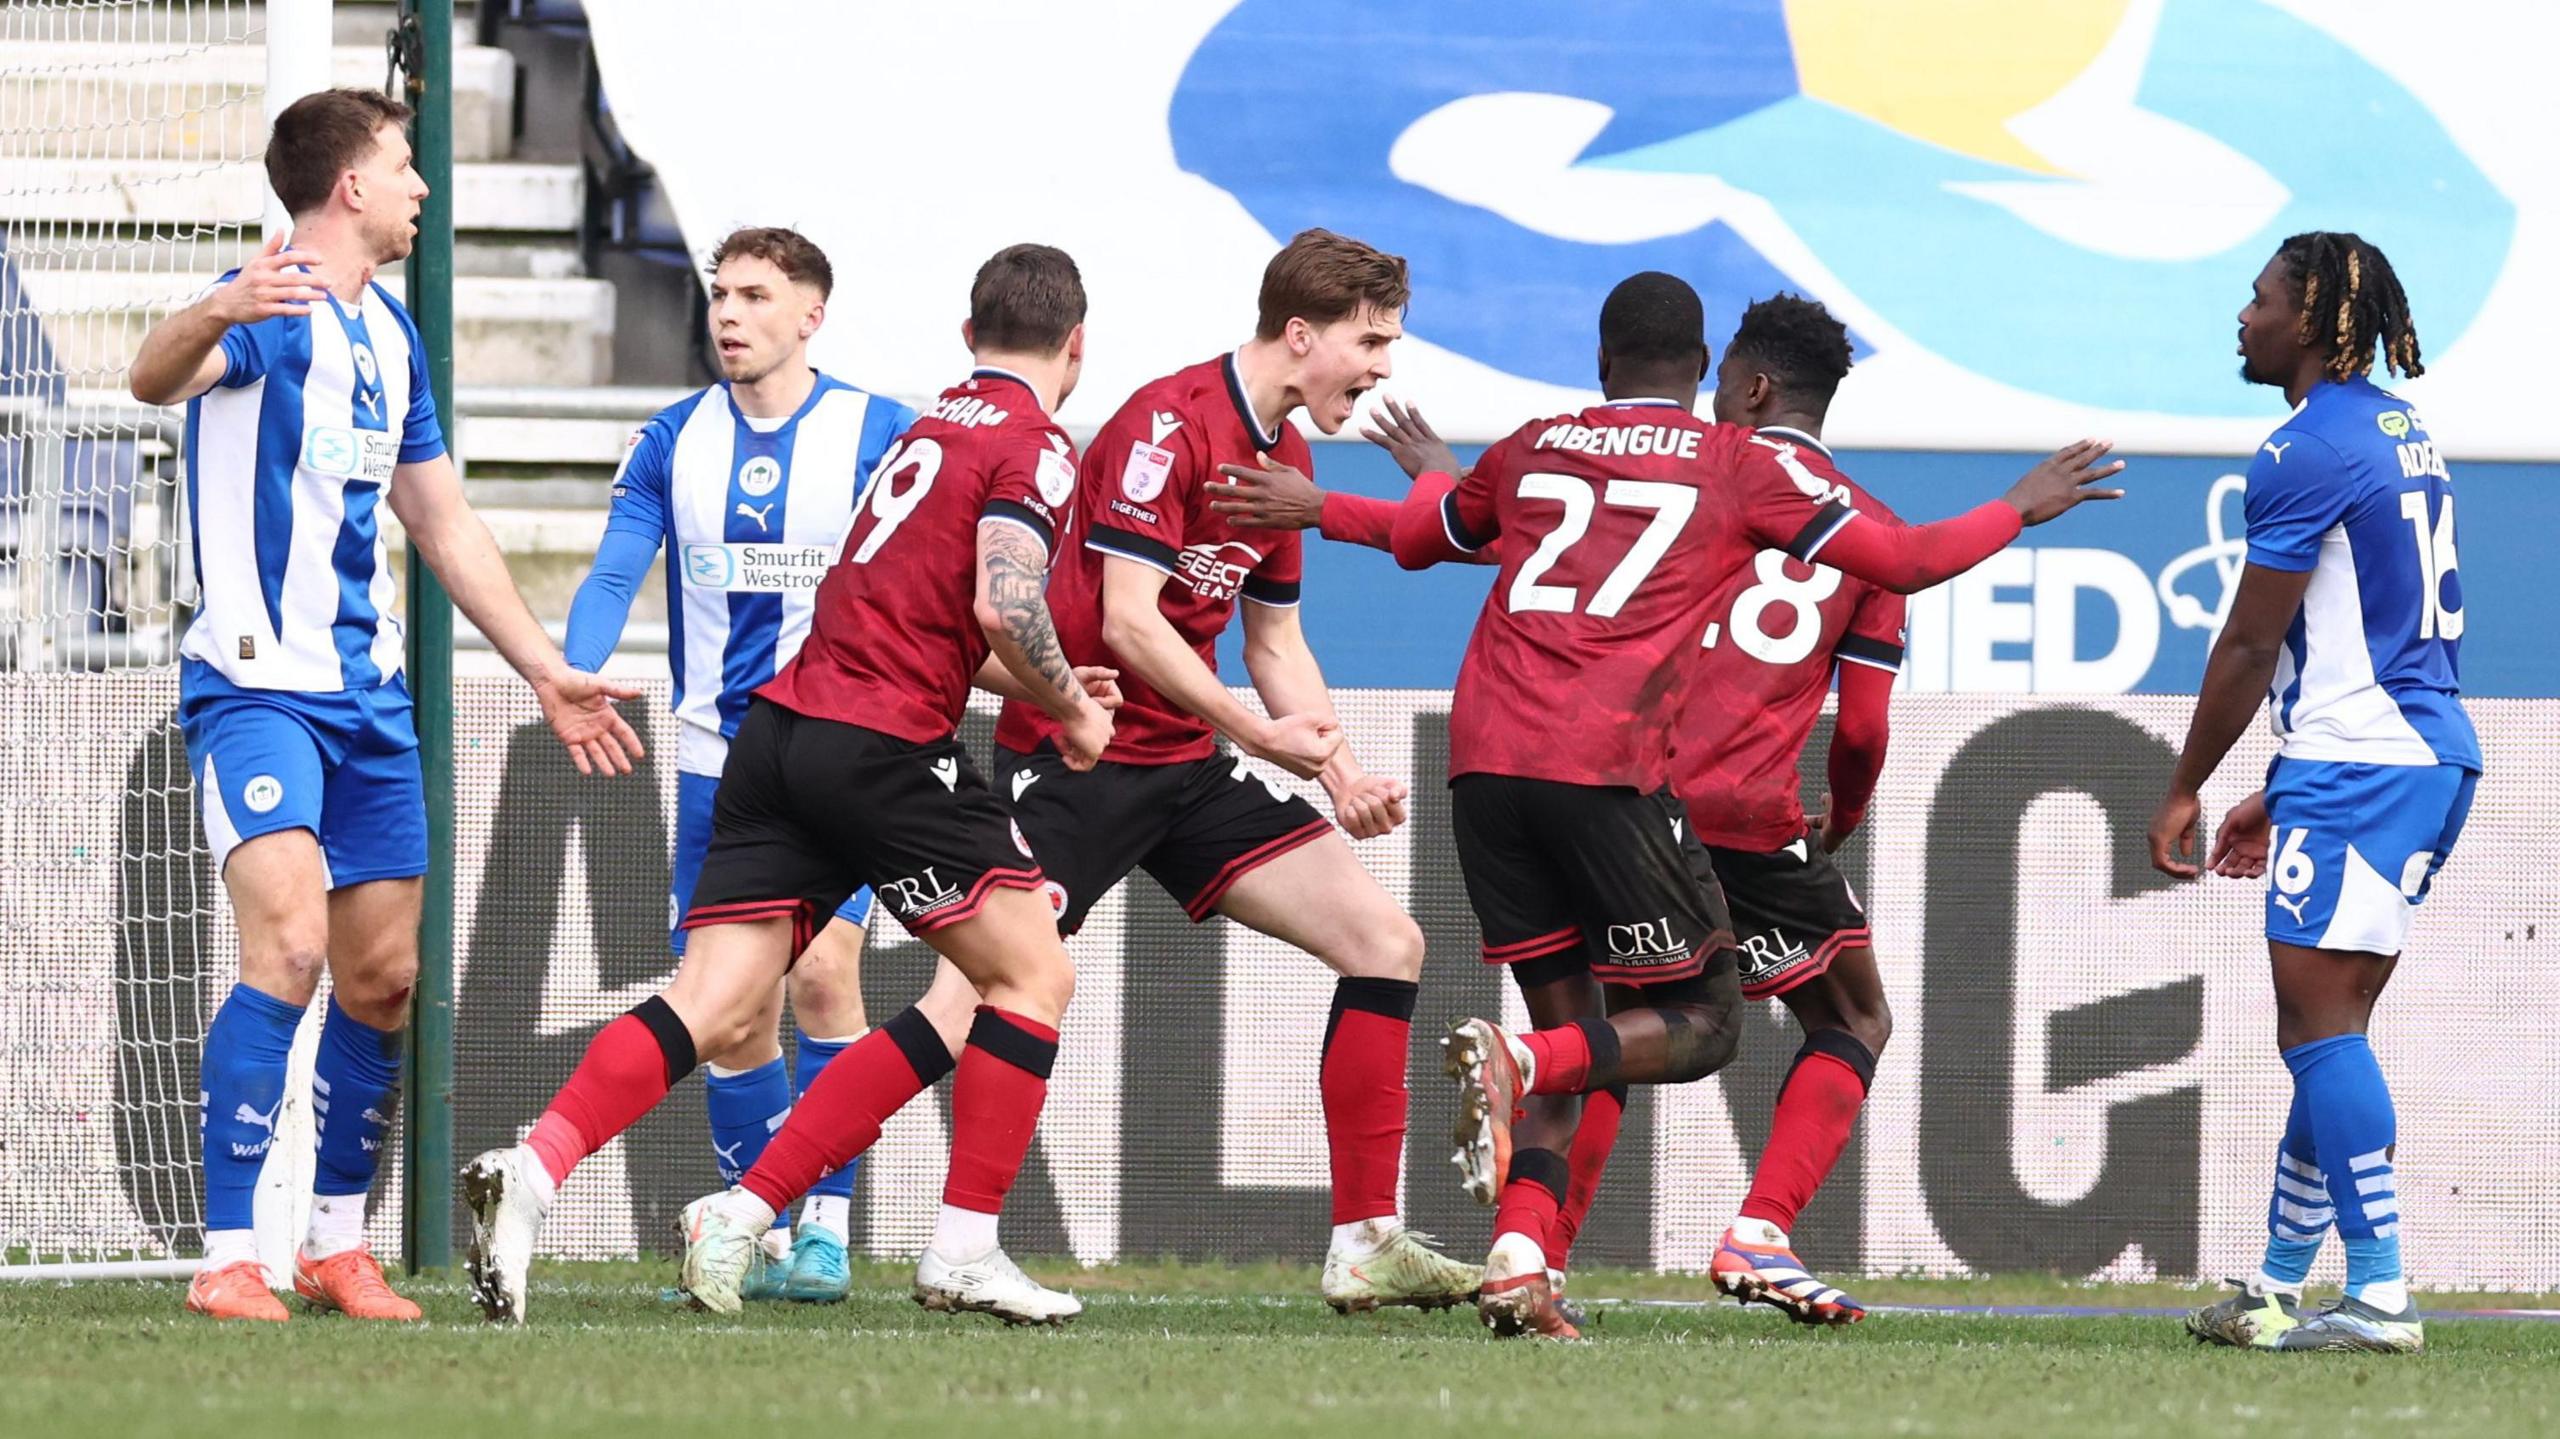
(288, 964)
(1870, 1025)
(1391, 950)
(1036, 989)
(1698, 1040)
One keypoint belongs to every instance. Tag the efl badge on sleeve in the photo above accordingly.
(1142, 479)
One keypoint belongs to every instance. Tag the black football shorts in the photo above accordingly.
(812, 809)
(1551, 867)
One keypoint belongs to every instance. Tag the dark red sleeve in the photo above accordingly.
(1423, 532)
(1358, 520)
(1785, 506)
(1858, 740)
(1909, 559)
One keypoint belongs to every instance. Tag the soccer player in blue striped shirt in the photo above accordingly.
(307, 412)
(749, 486)
(2348, 619)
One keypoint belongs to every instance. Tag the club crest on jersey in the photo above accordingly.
(1211, 574)
(262, 793)
(1149, 466)
(759, 475)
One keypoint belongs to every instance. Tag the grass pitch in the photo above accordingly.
(1249, 1350)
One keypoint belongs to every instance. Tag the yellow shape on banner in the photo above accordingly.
(1950, 72)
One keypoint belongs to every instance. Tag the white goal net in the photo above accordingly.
(130, 136)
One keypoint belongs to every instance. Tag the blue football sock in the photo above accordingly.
(2353, 1122)
(2298, 1213)
(746, 1106)
(352, 1078)
(243, 1093)
(816, 1054)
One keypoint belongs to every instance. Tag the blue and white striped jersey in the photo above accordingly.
(2351, 489)
(289, 457)
(751, 513)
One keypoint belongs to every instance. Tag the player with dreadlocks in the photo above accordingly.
(2349, 617)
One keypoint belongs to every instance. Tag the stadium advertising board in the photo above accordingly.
(2082, 1076)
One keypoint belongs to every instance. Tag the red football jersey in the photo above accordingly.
(1143, 499)
(894, 640)
(1621, 523)
(1774, 630)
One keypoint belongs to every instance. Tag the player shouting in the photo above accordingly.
(2349, 618)
(1147, 593)
(846, 772)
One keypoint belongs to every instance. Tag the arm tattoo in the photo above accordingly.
(1017, 586)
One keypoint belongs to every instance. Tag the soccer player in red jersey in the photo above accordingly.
(1617, 527)
(1147, 593)
(1781, 630)
(846, 772)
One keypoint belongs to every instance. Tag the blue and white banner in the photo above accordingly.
(2113, 598)
(2040, 218)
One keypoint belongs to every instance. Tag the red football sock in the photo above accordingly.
(995, 1106)
(1817, 1111)
(840, 1114)
(1563, 1059)
(1361, 1080)
(1531, 1195)
(1597, 1134)
(626, 1070)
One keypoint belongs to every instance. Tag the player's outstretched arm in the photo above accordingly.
(182, 356)
(1013, 610)
(1907, 559)
(2235, 682)
(1286, 675)
(427, 496)
(1134, 626)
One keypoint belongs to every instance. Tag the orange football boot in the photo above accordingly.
(235, 1291)
(351, 1283)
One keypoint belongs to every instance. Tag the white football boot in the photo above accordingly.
(507, 1191)
(990, 1284)
(1395, 1266)
(724, 1248)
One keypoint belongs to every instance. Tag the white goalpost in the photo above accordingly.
(130, 138)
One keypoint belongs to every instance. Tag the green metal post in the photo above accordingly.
(428, 1158)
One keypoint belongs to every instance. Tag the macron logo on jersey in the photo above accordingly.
(1163, 423)
(2272, 448)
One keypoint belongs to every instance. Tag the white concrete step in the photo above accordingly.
(500, 196)
(507, 330)
(176, 98)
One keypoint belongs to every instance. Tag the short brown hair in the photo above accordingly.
(1321, 277)
(1027, 299)
(794, 254)
(319, 136)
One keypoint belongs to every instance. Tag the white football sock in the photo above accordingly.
(226, 1247)
(2391, 1296)
(337, 1225)
(2265, 1283)
(1762, 1233)
(1367, 1236)
(832, 1213)
(963, 1236)
(745, 1208)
